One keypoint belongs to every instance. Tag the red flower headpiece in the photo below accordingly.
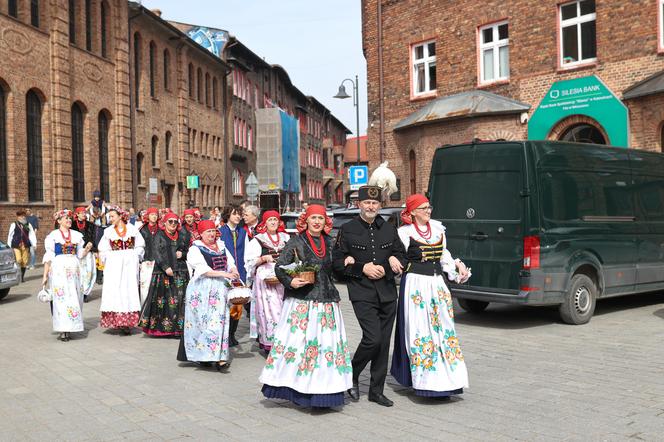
(62, 213)
(124, 215)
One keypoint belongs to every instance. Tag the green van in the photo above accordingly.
(551, 223)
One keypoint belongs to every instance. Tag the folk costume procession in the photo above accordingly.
(193, 279)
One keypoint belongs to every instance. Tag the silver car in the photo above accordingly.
(10, 274)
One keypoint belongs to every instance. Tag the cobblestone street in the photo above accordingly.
(531, 378)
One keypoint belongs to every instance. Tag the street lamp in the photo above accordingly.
(356, 102)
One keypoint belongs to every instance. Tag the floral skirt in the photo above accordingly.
(65, 285)
(88, 273)
(309, 363)
(119, 319)
(163, 311)
(145, 280)
(427, 354)
(266, 306)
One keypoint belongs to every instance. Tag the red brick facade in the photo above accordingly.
(626, 54)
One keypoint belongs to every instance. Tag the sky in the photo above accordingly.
(318, 42)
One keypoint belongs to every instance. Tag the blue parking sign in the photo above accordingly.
(358, 176)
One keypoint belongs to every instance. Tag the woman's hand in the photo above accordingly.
(349, 261)
(169, 271)
(396, 266)
(234, 274)
(463, 272)
(296, 283)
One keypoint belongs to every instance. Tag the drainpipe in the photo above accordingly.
(380, 79)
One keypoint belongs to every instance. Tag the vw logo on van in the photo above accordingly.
(470, 213)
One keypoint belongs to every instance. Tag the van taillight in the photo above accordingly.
(531, 252)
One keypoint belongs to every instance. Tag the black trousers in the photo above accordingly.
(376, 320)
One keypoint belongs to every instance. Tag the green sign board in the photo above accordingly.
(192, 181)
(581, 96)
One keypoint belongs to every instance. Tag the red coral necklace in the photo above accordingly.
(121, 232)
(426, 233)
(318, 252)
(274, 243)
(66, 239)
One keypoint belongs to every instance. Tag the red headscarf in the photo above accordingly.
(146, 214)
(189, 212)
(206, 225)
(314, 209)
(262, 227)
(412, 202)
(167, 216)
(80, 209)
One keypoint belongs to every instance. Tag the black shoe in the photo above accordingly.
(86, 298)
(380, 399)
(354, 392)
(223, 368)
(232, 342)
(205, 364)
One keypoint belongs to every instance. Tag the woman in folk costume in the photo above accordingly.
(206, 317)
(121, 249)
(88, 263)
(64, 250)
(148, 230)
(309, 363)
(163, 311)
(260, 257)
(191, 225)
(427, 355)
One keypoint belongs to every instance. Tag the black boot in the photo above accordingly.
(22, 274)
(232, 342)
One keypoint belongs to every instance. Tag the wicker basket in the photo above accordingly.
(272, 280)
(239, 295)
(310, 277)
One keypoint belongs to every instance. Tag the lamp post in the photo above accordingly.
(356, 102)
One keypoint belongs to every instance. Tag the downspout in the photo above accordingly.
(380, 80)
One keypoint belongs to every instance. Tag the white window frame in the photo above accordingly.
(426, 60)
(576, 21)
(495, 46)
(236, 180)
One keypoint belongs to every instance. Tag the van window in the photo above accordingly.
(571, 195)
(650, 197)
(493, 195)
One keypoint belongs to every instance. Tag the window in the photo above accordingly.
(155, 143)
(167, 69)
(424, 68)
(34, 135)
(72, 21)
(137, 68)
(215, 92)
(235, 79)
(207, 89)
(577, 32)
(153, 54)
(77, 153)
(88, 25)
(139, 168)
(12, 8)
(191, 80)
(104, 181)
(34, 13)
(583, 133)
(256, 97)
(236, 182)
(199, 81)
(167, 146)
(235, 131)
(250, 141)
(3, 147)
(494, 53)
(104, 26)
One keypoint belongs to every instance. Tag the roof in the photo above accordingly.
(463, 105)
(651, 85)
(350, 150)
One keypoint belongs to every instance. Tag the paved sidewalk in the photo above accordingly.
(532, 378)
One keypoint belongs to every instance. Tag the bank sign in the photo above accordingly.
(587, 96)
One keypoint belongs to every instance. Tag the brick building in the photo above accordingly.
(449, 72)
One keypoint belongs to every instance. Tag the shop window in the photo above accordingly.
(583, 133)
(494, 53)
(104, 181)
(77, 153)
(577, 33)
(34, 136)
(424, 68)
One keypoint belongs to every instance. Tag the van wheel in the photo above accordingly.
(473, 306)
(579, 304)
(4, 293)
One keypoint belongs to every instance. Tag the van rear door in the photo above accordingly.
(477, 192)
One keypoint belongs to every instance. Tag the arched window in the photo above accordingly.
(153, 55)
(104, 28)
(191, 80)
(139, 168)
(207, 89)
(412, 165)
(155, 143)
(167, 146)
(12, 8)
(236, 182)
(583, 133)
(34, 13)
(137, 68)
(167, 69)
(72, 21)
(199, 81)
(34, 136)
(77, 153)
(88, 25)
(215, 92)
(3, 146)
(104, 181)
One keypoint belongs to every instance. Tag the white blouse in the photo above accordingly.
(448, 263)
(111, 235)
(254, 249)
(197, 262)
(55, 237)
